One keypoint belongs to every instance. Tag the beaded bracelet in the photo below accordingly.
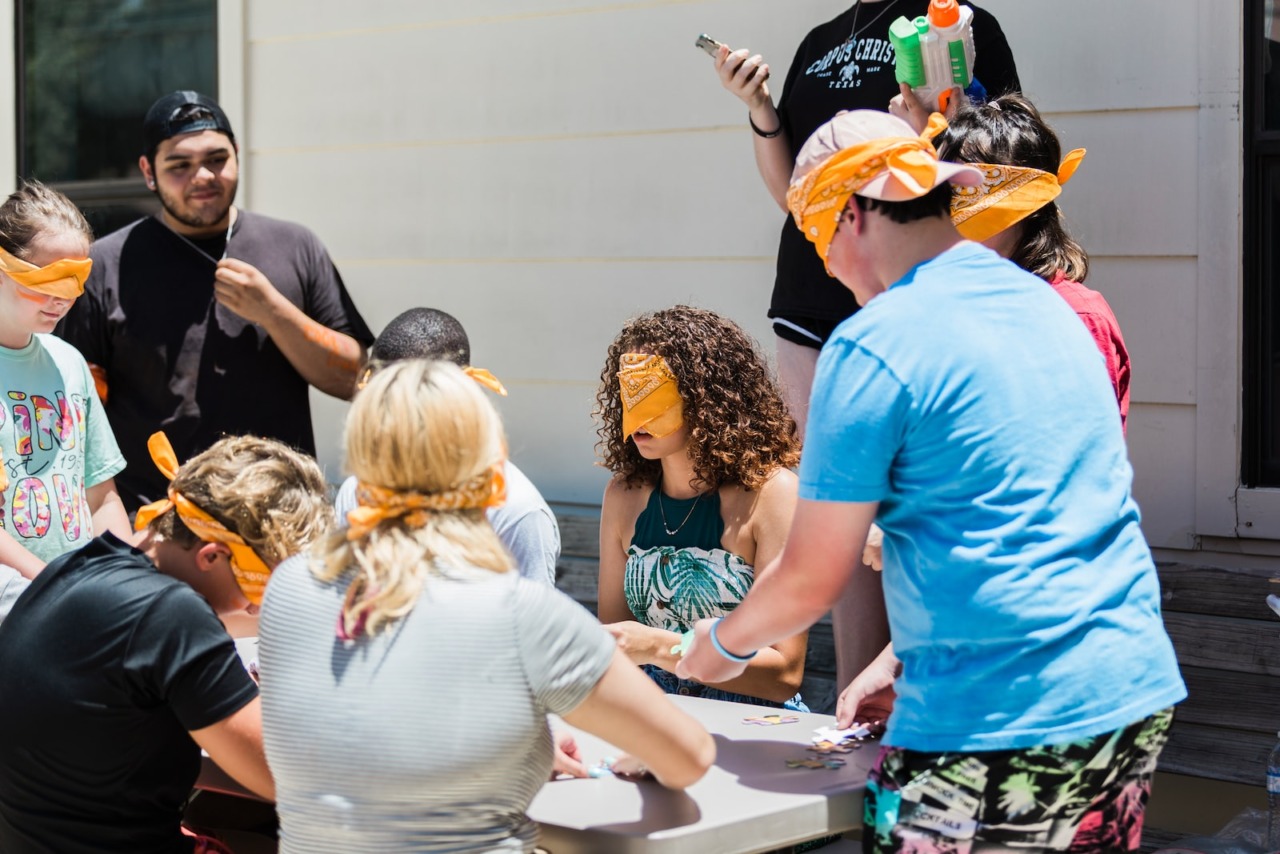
(766, 134)
(715, 642)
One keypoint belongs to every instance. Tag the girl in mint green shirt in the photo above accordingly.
(58, 456)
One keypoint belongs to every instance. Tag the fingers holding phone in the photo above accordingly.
(744, 75)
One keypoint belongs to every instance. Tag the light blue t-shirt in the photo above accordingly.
(970, 401)
(55, 442)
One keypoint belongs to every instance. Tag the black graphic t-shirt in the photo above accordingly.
(833, 72)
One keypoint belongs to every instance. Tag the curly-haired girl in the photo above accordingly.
(699, 442)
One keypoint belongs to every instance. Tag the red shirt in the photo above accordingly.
(1102, 324)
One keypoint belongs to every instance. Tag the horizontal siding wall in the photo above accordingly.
(546, 169)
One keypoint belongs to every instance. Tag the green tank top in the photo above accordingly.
(696, 521)
(674, 580)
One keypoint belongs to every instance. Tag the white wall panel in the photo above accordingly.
(543, 330)
(686, 195)
(613, 68)
(1135, 193)
(1103, 54)
(1162, 441)
(1154, 300)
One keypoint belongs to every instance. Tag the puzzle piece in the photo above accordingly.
(603, 768)
(814, 764)
(826, 747)
(771, 720)
(838, 736)
(681, 648)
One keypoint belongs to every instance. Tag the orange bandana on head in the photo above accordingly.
(486, 379)
(650, 396)
(1008, 195)
(817, 200)
(378, 503)
(63, 279)
(480, 375)
(251, 571)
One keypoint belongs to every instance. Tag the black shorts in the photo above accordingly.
(805, 331)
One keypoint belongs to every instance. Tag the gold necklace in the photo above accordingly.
(687, 516)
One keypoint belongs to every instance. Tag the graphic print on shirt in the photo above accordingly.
(845, 64)
(42, 461)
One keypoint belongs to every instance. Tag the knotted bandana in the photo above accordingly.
(486, 379)
(378, 503)
(480, 375)
(250, 571)
(650, 396)
(1008, 195)
(64, 278)
(909, 166)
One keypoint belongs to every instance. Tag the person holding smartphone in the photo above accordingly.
(846, 63)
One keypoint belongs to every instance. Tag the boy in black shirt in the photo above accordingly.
(116, 674)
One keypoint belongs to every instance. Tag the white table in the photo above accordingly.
(749, 801)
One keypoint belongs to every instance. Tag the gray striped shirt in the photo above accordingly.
(432, 735)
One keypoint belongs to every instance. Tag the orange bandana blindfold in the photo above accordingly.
(650, 396)
(817, 200)
(63, 279)
(251, 572)
(1008, 195)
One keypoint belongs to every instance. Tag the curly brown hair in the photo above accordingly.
(739, 429)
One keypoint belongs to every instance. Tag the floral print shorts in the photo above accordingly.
(1081, 796)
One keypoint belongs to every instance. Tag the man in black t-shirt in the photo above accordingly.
(114, 672)
(207, 320)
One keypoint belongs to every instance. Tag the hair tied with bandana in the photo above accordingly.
(251, 571)
(378, 504)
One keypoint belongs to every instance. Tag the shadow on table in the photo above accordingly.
(660, 809)
(762, 765)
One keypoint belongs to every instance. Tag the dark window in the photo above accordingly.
(1261, 451)
(87, 71)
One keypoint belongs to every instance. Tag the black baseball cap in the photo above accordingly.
(163, 120)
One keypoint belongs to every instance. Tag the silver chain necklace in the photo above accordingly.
(226, 244)
(857, 9)
(687, 516)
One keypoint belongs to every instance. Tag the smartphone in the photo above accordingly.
(712, 48)
(707, 44)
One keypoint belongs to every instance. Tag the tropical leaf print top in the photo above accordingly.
(674, 580)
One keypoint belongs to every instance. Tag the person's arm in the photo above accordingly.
(16, 555)
(534, 541)
(792, 593)
(107, 510)
(327, 359)
(630, 712)
(777, 671)
(235, 744)
(615, 507)
(746, 77)
(12, 585)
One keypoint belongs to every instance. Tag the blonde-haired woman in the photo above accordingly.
(407, 672)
